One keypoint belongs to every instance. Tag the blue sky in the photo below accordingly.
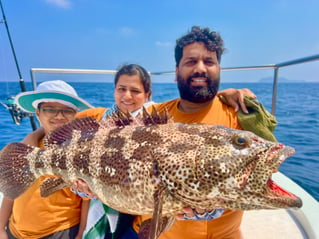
(103, 34)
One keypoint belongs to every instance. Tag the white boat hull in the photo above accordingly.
(284, 223)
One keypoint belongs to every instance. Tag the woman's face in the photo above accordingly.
(129, 93)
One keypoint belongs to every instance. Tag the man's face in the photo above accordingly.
(198, 73)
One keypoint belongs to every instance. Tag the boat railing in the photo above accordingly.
(275, 67)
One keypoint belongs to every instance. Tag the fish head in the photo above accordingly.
(235, 169)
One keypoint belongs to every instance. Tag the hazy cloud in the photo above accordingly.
(102, 31)
(163, 44)
(60, 3)
(126, 31)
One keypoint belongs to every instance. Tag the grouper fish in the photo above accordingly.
(152, 166)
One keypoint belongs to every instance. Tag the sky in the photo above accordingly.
(104, 34)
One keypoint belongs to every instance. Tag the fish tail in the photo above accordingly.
(15, 173)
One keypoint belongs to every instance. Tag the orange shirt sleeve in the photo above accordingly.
(96, 113)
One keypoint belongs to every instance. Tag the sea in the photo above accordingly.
(297, 113)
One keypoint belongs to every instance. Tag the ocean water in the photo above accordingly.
(297, 114)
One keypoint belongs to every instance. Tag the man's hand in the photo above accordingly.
(235, 97)
(3, 234)
(81, 188)
(199, 214)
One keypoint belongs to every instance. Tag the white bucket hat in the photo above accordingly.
(51, 91)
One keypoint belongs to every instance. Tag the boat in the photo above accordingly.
(261, 224)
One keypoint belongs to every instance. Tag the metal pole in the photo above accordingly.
(274, 91)
(21, 81)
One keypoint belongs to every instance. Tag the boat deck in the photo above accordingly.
(272, 224)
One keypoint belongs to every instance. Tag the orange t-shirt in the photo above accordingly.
(228, 225)
(96, 113)
(34, 216)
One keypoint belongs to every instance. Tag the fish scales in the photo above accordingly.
(149, 168)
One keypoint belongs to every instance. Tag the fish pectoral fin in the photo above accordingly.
(16, 175)
(51, 185)
(167, 223)
(164, 224)
(152, 228)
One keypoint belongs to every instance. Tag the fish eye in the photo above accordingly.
(241, 140)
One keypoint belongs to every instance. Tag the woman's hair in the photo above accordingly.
(134, 69)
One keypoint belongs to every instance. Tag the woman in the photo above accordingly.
(62, 214)
(132, 91)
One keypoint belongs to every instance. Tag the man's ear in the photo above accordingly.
(176, 73)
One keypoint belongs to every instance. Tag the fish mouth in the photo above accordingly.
(277, 155)
(283, 196)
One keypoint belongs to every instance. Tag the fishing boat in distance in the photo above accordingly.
(261, 224)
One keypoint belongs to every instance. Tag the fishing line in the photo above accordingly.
(21, 81)
(4, 76)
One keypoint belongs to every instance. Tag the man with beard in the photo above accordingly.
(198, 56)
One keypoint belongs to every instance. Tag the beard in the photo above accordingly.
(197, 94)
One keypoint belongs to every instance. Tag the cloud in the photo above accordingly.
(126, 31)
(60, 3)
(103, 31)
(163, 44)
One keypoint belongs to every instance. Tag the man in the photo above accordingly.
(198, 56)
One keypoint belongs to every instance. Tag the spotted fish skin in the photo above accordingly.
(197, 165)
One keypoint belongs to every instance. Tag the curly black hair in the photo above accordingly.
(211, 39)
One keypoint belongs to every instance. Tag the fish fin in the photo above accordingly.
(152, 228)
(122, 119)
(63, 135)
(15, 172)
(165, 224)
(52, 185)
(155, 117)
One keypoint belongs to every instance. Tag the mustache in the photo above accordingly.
(204, 75)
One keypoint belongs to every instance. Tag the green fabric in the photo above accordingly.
(98, 230)
(258, 120)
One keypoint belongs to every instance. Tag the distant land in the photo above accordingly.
(280, 80)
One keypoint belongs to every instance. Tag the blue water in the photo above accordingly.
(297, 112)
